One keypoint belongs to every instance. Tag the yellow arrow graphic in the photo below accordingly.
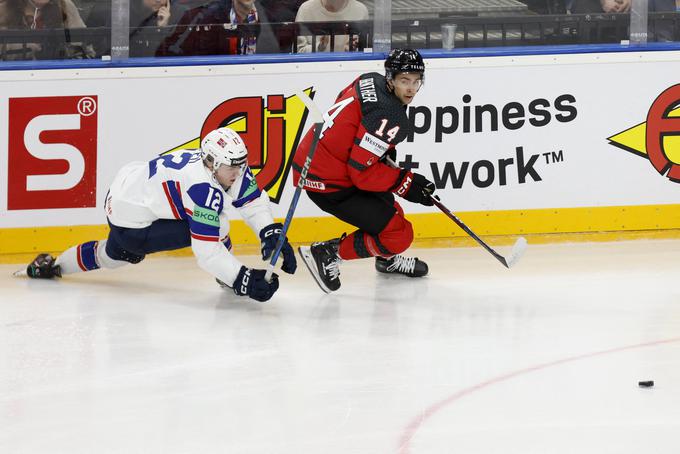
(633, 140)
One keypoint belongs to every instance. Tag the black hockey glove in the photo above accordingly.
(415, 188)
(252, 283)
(43, 267)
(269, 237)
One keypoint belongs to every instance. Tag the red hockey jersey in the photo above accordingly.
(366, 122)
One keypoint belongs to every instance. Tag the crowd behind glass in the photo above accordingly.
(85, 29)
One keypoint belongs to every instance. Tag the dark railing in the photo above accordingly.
(56, 44)
(217, 39)
(514, 31)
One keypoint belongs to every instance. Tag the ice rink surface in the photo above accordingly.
(544, 358)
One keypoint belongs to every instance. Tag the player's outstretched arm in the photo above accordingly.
(218, 261)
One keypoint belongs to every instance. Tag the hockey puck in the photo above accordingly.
(646, 384)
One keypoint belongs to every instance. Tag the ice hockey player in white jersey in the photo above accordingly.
(179, 200)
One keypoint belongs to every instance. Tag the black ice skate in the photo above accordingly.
(408, 266)
(42, 267)
(323, 262)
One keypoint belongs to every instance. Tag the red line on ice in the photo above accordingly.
(416, 423)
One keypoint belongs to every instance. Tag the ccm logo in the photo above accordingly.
(52, 152)
(404, 186)
(244, 282)
(271, 232)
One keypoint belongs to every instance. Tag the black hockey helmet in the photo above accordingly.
(404, 61)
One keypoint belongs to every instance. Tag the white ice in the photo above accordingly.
(543, 358)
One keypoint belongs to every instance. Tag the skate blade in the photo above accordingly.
(306, 255)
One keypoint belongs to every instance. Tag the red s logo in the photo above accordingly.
(52, 152)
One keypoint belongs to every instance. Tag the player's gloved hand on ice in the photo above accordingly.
(251, 282)
(269, 237)
(415, 188)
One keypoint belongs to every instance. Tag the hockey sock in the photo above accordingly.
(395, 238)
(86, 257)
(358, 245)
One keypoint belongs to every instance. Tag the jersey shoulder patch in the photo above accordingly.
(371, 143)
(245, 189)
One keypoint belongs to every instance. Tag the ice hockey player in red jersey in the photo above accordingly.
(354, 174)
(178, 200)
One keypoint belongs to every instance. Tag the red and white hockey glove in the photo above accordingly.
(415, 188)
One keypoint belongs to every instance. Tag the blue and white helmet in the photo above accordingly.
(224, 146)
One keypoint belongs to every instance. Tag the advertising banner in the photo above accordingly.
(520, 134)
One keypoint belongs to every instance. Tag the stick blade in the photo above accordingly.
(20, 273)
(314, 113)
(517, 251)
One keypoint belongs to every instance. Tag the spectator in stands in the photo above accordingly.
(50, 14)
(147, 14)
(277, 39)
(279, 11)
(659, 30)
(328, 11)
(12, 18)
(143, 13)
(188, 39)
(151, 13)
(151, 21)
(601, 6)
(11, 15)
(603, 31)
(47, 15)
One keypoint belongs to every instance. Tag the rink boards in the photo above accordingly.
(550, 144)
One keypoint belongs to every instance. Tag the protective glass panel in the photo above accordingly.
(49, 30)
(85, 29)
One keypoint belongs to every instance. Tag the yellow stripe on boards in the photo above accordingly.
(432, 229)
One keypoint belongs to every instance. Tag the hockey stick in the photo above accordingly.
(517, 249)
(317, 118)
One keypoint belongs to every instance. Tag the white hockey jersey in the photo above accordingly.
(178, 186)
